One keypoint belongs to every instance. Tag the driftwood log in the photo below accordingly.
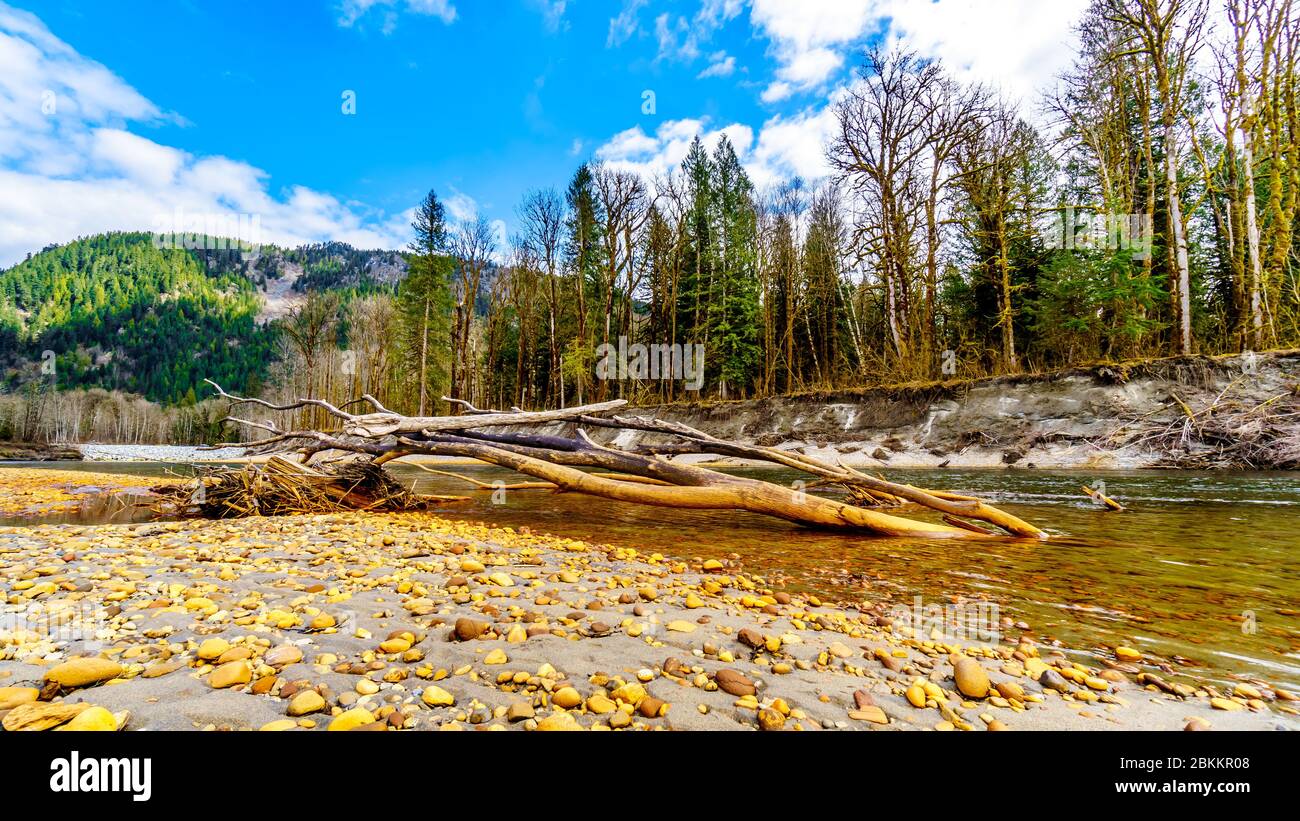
(644, 475)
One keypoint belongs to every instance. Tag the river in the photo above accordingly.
(1202, 569)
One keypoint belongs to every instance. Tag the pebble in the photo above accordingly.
(971, 679)
(435, 696)
(305, 702)
(468, 629)
(279, 725)
(1127, 654)
(230, 674)
(82, 672)
(559, 722)
(212, 649)
(11, 697)
(352, 719)
(94, 719)
(734, 682)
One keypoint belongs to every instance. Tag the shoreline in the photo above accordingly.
(353, 617)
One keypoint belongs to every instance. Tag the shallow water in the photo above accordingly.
(1203, 568)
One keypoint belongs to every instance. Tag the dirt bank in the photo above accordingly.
(1231, 411)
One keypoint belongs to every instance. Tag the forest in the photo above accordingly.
(1144, 206)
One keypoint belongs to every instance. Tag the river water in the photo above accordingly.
(1202, 569)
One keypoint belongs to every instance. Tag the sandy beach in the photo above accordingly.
(409, 621)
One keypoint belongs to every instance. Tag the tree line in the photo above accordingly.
(1144, 205)
(1147, 208)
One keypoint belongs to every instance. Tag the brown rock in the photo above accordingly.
(734, 682)
(972, 681)
(468, 629)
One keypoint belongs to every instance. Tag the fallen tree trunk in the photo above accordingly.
(644, 476)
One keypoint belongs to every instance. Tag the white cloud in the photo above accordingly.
(552, 13)
(351, 11)
(74, 168)
(976, 42)
(683, 37)
(808, 36)
(460, 205)
(785, 146)
(653, 156)
(722, 65)
(1017, 45)
(776, 92)
(625, 25)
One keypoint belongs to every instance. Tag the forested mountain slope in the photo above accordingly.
(119, 313)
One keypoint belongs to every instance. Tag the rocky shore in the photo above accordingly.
(409, 621)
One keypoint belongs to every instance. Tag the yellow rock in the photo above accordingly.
(972, 681)
(80, 672)
(1097, 683)
(497, 656)
(278, 726)
(712, 564)
(11, 697)
(397, 645)
(681, 626)
(366, 687)
(600, 704)
(308, 701)
(566, 697)
(559, 722)
(94, 719)
(632, 693)
(693, 601)
(323, 622)
(501, 580)
(916, 695)
(350, 719)
(1225, 704)
(435, 696)
(213, 649)
(517, 634)
(1127, 654)
(471, 566)
(230, 674)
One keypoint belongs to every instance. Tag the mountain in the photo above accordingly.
(120, 313)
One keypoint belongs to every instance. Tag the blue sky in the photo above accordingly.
(114, 113)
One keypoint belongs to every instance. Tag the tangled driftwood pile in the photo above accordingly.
(282, 487)
(1220, 431)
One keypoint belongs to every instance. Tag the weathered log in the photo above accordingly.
(643, 476)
